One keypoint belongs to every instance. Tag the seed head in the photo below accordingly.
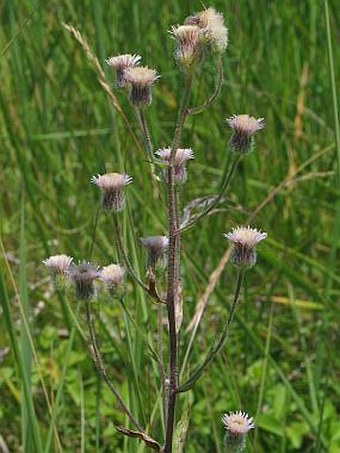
(244, 241)
(112, 186)
(181, 157)
(156, 247)
(244, 127)
(188, 51)
(58, 264)
(112, 276)
(214, 32)
(140, 80)
(82, 275)
(237, 425)
(120, 63)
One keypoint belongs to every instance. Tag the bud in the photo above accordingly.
(112, 276)
(156, 247)
(181, 157)
(140, 80)
(58, 264)
(244, 241)
(120, 63)
(112, 186)
(244, 126)
(188, 51)
(237, 425)
(214, 32)
(82, 275)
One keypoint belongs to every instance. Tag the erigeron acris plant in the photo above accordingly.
(201, 34)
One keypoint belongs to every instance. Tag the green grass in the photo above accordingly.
(57, 129)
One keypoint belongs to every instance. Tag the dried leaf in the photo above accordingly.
(153, 444)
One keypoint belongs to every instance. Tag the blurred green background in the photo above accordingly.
(281, 364)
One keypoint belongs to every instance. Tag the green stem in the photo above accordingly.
(224, 187)
(221, 341)
(217, 90)
(99, 364)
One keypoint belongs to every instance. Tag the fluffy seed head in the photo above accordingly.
(181, 157)
(188, 49)
(58, 264)
(112, 275)
(244, 127)
(120, 63)
(215, 33)
(156, 247)
(140, 79)
(112, 187)
(244, 241)
(82, 275)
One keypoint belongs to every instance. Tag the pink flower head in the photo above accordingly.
(58, 264)
(112, 186)
(181, 157)
(140, 79)
(120, 63)
(244, 241)
(244, 127)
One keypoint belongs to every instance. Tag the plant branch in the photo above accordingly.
(99, 364)
(214, 350)
(217, 90)
(151, 290)
(224, 187)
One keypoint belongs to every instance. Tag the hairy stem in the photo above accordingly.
(221, 341)
(173, 267)
(140, 115)
(99, 364)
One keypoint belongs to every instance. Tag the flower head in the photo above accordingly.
(237, 425)
(140, 79)
(112, 276)
(120, 63)
(244, 127)
(188, 49)
(82, 275)
(112, 187)
(181, 157)
(244, 241)
(58, 264)
(156, 247)
(215, 33)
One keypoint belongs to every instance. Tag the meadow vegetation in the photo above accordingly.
(58, 128)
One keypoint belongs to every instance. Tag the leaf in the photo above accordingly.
(181, 431)
(270, 423)
(153, 444)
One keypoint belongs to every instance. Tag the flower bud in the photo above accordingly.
(58, 264)
(244, 241)
(140, 80)
(82, 275)
(112, 186)
(112, 276)
(237, 425)
(120, 63)
(181, 157)
(244, 127)
(189, 50)
(156, 247)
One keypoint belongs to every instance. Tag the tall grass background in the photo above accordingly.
(58, 129)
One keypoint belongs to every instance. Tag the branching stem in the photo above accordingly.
(173, 267)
